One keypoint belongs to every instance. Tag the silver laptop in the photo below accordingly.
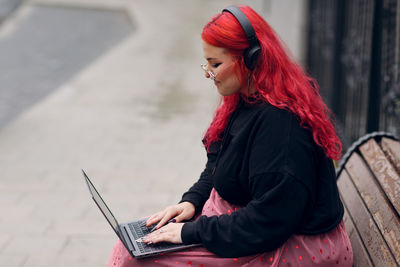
(129, 232)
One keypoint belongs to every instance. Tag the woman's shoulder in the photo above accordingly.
(281, 144)
(280, 130)
(274, 117)
(271, 124)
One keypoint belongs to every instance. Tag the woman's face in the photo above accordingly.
(221, 64)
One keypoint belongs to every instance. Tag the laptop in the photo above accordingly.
(129, 232)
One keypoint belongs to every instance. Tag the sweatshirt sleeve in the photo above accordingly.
(200, 191)
(263, 225)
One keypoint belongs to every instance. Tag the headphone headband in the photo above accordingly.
(250, 55)
(244, 22)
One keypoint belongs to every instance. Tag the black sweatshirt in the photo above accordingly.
(271, 165)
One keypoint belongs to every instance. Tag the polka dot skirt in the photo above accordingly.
(329, 249)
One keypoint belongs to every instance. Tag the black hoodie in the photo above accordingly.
(270, 165)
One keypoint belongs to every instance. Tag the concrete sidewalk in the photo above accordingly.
(133, 119)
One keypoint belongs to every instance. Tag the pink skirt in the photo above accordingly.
(328, 249)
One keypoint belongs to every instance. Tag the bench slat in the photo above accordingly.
(383, 171)
(376, 202)
(392, 151)
(366, 227)
(360, 254)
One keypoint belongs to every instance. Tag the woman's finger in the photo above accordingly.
(160, 238)
(164, 216)
(169, 233)
(155, 218)
(154, 237)
(181, 217)
(168, 216)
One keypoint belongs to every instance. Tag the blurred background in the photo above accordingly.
(353, 51)
(115, 88)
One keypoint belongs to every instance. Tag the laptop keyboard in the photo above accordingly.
(139, 230)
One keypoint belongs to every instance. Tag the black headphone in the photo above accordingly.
(250, 54)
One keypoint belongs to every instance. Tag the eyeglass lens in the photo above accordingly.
(210, 73)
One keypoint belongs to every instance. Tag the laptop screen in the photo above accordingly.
(102, 205)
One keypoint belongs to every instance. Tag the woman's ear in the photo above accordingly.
(240, 69)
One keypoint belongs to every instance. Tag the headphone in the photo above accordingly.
(250, 55)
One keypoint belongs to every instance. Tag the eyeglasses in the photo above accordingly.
(205, 68)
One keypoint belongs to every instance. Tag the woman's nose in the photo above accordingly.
(207, 74)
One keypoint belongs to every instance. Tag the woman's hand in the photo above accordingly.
(180, 212)
(168, 233)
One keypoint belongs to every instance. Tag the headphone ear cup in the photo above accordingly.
(250, 56)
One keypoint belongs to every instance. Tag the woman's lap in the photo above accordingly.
(328, 249)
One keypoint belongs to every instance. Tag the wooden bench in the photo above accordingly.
(369, 185)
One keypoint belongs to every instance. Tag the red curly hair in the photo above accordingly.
(277, 79)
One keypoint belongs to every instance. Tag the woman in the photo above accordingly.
(268, 194)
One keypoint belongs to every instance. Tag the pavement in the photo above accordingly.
(7, 7)
(131, 112)
(48, 46)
